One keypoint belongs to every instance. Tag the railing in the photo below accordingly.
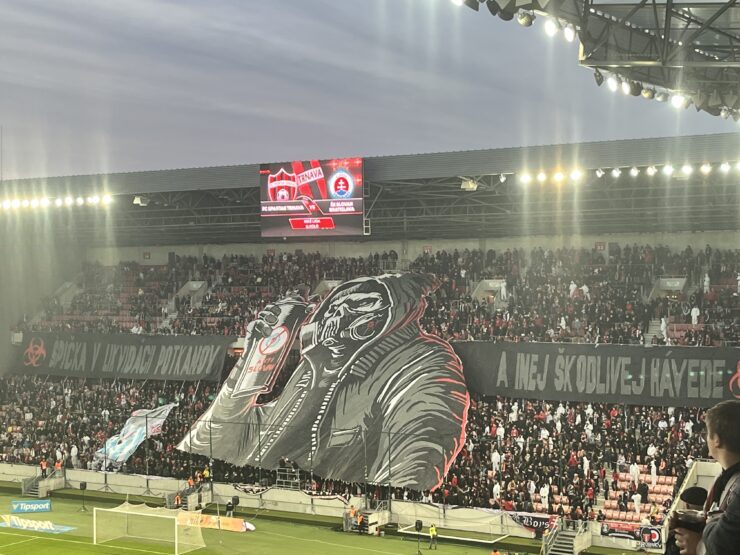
(549, 539)
(28, 483)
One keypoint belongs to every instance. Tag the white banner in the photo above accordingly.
(142, 424)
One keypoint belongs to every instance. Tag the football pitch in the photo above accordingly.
(270, 537)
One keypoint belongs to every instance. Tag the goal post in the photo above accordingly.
(140, 524)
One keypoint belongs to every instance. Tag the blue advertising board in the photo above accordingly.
(30, 506)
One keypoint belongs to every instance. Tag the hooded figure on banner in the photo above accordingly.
(371, 389)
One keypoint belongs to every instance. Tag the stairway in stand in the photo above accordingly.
(563, 543)
(653, 330)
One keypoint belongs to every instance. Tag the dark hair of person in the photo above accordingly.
(723, 420)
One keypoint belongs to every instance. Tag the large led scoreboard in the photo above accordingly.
(313, 198)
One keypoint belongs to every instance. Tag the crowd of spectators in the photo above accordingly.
(565, 295)
(572, 459)
(563, 458)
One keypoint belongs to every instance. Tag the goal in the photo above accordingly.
(133, 524)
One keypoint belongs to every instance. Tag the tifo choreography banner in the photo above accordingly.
(368, 379)
(123, 356)
(143, 423)
(700, 376)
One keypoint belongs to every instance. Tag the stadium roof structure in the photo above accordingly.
(596, 188)
(655, 47)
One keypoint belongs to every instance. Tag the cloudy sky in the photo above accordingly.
(89, 86)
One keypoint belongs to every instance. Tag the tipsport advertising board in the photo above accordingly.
(315, 198)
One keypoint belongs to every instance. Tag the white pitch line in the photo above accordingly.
(79, 542)
(18, 543)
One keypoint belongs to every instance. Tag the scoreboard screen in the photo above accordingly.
(314, 198)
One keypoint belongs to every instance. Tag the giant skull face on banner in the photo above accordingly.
(371, 393)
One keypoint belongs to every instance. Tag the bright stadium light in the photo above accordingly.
(724, 167)
(525, 178)
(569, 32)
(575, 175)
(44, 202)
(687, 170)
(6, 204)
(668, 170)
(678, 101)
(94, 200)
(616, 172)
(541, 177)
(69, 201)
(25, 203)
(15, 203)
(35, 203)
(613, 83)
(551, 28)
(634, 172)
(58, 202)
(651, 171)
(626, 87)
(80, 201)
(706, 169)
(558, 177)
(107, 199)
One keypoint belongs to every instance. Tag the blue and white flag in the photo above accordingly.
(142, 424)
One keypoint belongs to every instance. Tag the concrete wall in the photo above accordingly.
(411, 249)
(34, 261)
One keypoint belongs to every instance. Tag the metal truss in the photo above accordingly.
(432, 209)
(691, 47)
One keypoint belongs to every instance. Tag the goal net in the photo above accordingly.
(134, 524)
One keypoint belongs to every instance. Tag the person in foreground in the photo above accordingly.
(721, 535)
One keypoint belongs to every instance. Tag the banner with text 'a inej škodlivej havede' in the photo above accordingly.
(697, 376)
(154, 357)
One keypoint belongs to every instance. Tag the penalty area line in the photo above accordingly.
(74, 541)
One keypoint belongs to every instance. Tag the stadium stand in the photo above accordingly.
(573, 459)
(565, 295)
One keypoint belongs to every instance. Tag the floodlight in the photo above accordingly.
(551, 28)
(569, 32)
(598, 77)
(678, 101)
(525, 19)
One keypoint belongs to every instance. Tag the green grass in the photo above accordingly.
(275, 534)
